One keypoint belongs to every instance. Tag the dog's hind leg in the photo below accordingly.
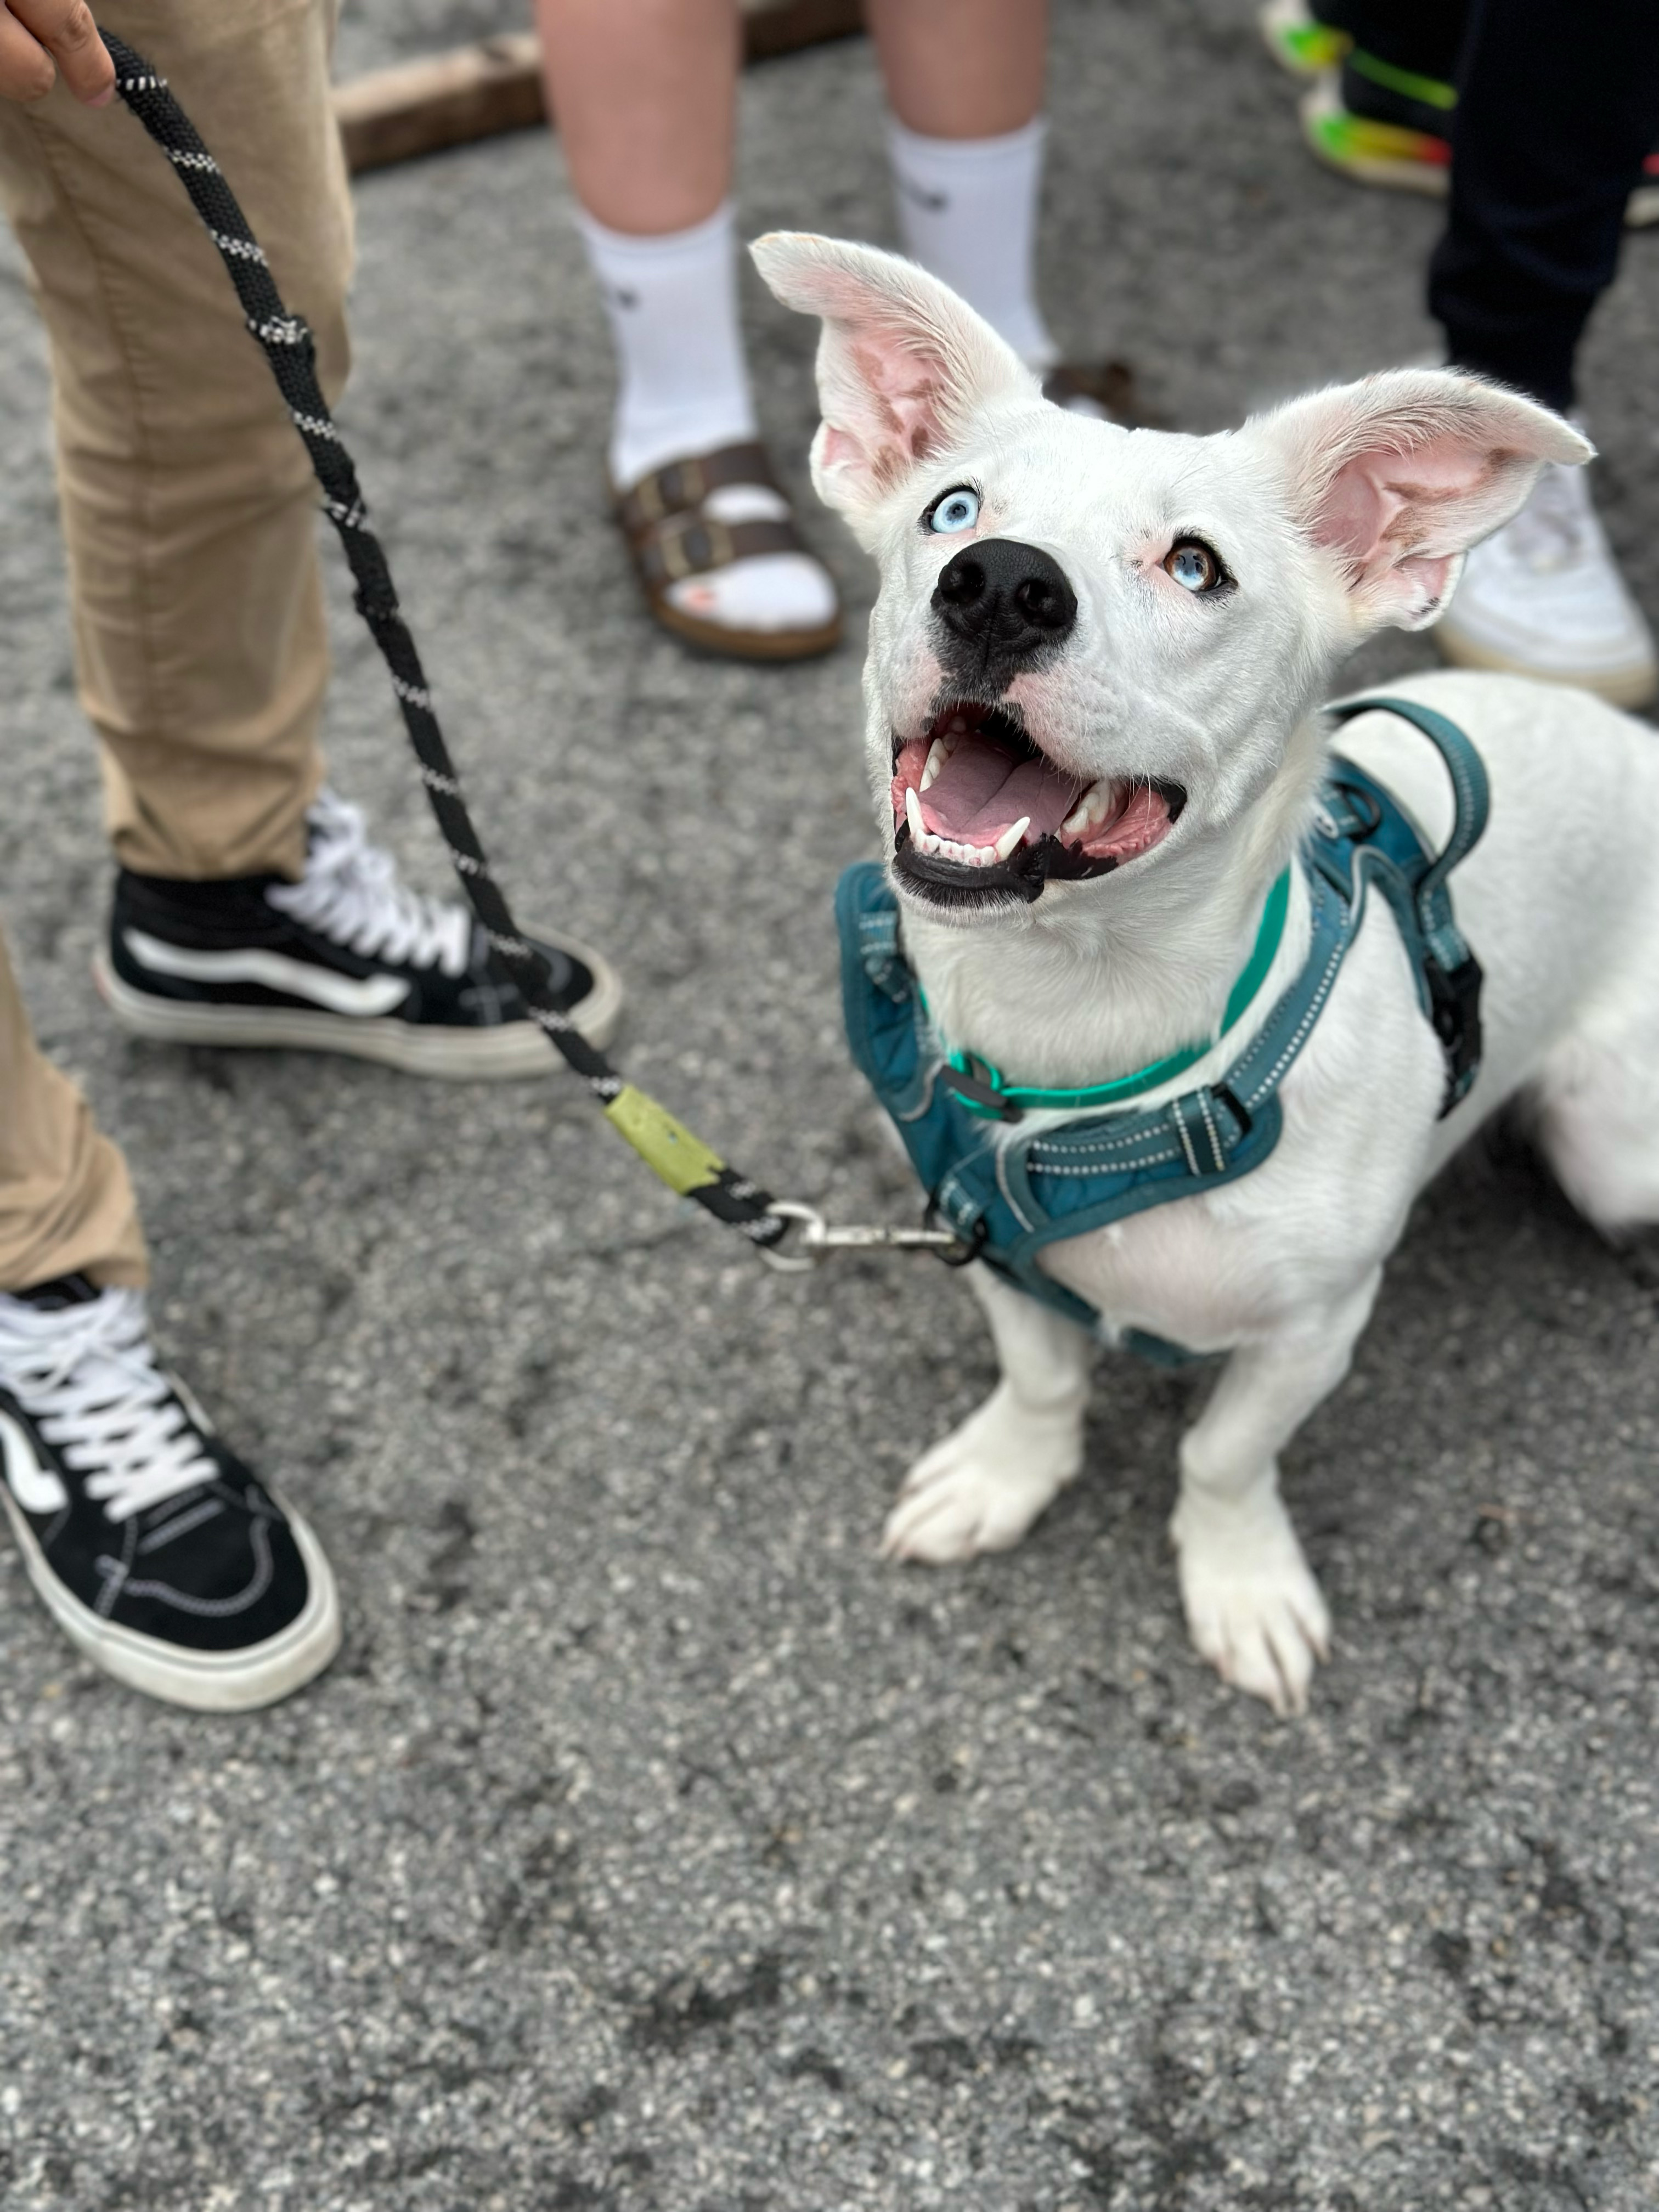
(980, 1488)
(1596, 1103)
(1253, 1607)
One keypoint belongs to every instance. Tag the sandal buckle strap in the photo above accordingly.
(693, 544)
(679, 487)
(686, 545)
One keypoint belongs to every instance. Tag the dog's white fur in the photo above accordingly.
(1337, 514)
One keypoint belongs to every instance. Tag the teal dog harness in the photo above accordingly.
(1006, 1195)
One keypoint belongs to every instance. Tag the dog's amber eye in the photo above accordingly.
(1193, 565)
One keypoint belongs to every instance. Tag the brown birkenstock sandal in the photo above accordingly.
(671, 535)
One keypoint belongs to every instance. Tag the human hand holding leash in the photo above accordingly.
(43, 39)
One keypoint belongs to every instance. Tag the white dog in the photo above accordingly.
(1124, 672)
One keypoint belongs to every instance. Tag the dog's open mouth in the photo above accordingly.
(980, 809)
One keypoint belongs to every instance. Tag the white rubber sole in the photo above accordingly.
(513, 1049)
(205, 1682)
(1634, 686)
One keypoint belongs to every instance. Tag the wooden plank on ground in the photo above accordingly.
(476, 92)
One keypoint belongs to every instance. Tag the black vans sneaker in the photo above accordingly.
(347, 959)
(154, 1548)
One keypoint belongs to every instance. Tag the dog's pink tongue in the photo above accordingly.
(981, 791)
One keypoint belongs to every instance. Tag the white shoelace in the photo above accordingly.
(87, 1377)
(350, 892)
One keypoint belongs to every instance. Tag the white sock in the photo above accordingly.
(967, 210)
(683, 387)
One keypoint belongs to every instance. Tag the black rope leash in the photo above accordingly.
(682, 1160)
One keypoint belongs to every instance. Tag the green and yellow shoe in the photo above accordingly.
(1298, 41)
(1382, 125)
(1379, 132)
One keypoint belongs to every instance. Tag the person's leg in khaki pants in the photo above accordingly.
(189, 514)
(66, 1206)
(189, 506)
(190, 517)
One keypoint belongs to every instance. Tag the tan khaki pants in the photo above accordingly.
(189, 511)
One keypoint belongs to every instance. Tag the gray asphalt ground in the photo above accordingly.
(652, 1847)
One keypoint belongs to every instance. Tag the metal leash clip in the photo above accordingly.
(817, 1240)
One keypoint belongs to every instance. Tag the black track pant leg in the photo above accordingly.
(1558, 108)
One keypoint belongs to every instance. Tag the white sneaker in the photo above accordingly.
(1544, 598)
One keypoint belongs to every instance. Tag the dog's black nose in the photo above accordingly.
(999, 604)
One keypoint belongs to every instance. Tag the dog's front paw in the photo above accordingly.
(980, 1488)
(1253, 1609)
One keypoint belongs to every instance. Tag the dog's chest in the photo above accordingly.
(1203, 1274)
(1208, 1272)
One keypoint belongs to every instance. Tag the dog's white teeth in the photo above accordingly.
(913, 814)
(938, 753)
(1094, 807)
(1005, 844)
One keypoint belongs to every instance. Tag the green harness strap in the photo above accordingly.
(982, 1075)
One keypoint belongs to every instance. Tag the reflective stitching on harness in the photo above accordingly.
(1014, 1206)
(1178, 1116)
(925, 1104)
(1215, 1153)
(1151, 1160)
(1310, 1015)
(1459, 844)
(1090, 1144)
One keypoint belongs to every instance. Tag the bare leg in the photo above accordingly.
(980, 1488)
(645, 95)
(1253, 1607)
(962, 69)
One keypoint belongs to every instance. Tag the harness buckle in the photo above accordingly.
(976, 1094)
(1364, 815)
(1455, 1017)
(967, 1249)
(1234, 1106)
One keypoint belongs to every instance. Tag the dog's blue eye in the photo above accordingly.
(958, 510)
(1193, 565)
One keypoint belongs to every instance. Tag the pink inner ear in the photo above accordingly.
(1379, 505)
(838, 448)
(904, 386)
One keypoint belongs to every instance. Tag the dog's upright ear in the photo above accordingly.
(902, 361)
(1398, 476)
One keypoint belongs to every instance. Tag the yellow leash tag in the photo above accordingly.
(684, 1162)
